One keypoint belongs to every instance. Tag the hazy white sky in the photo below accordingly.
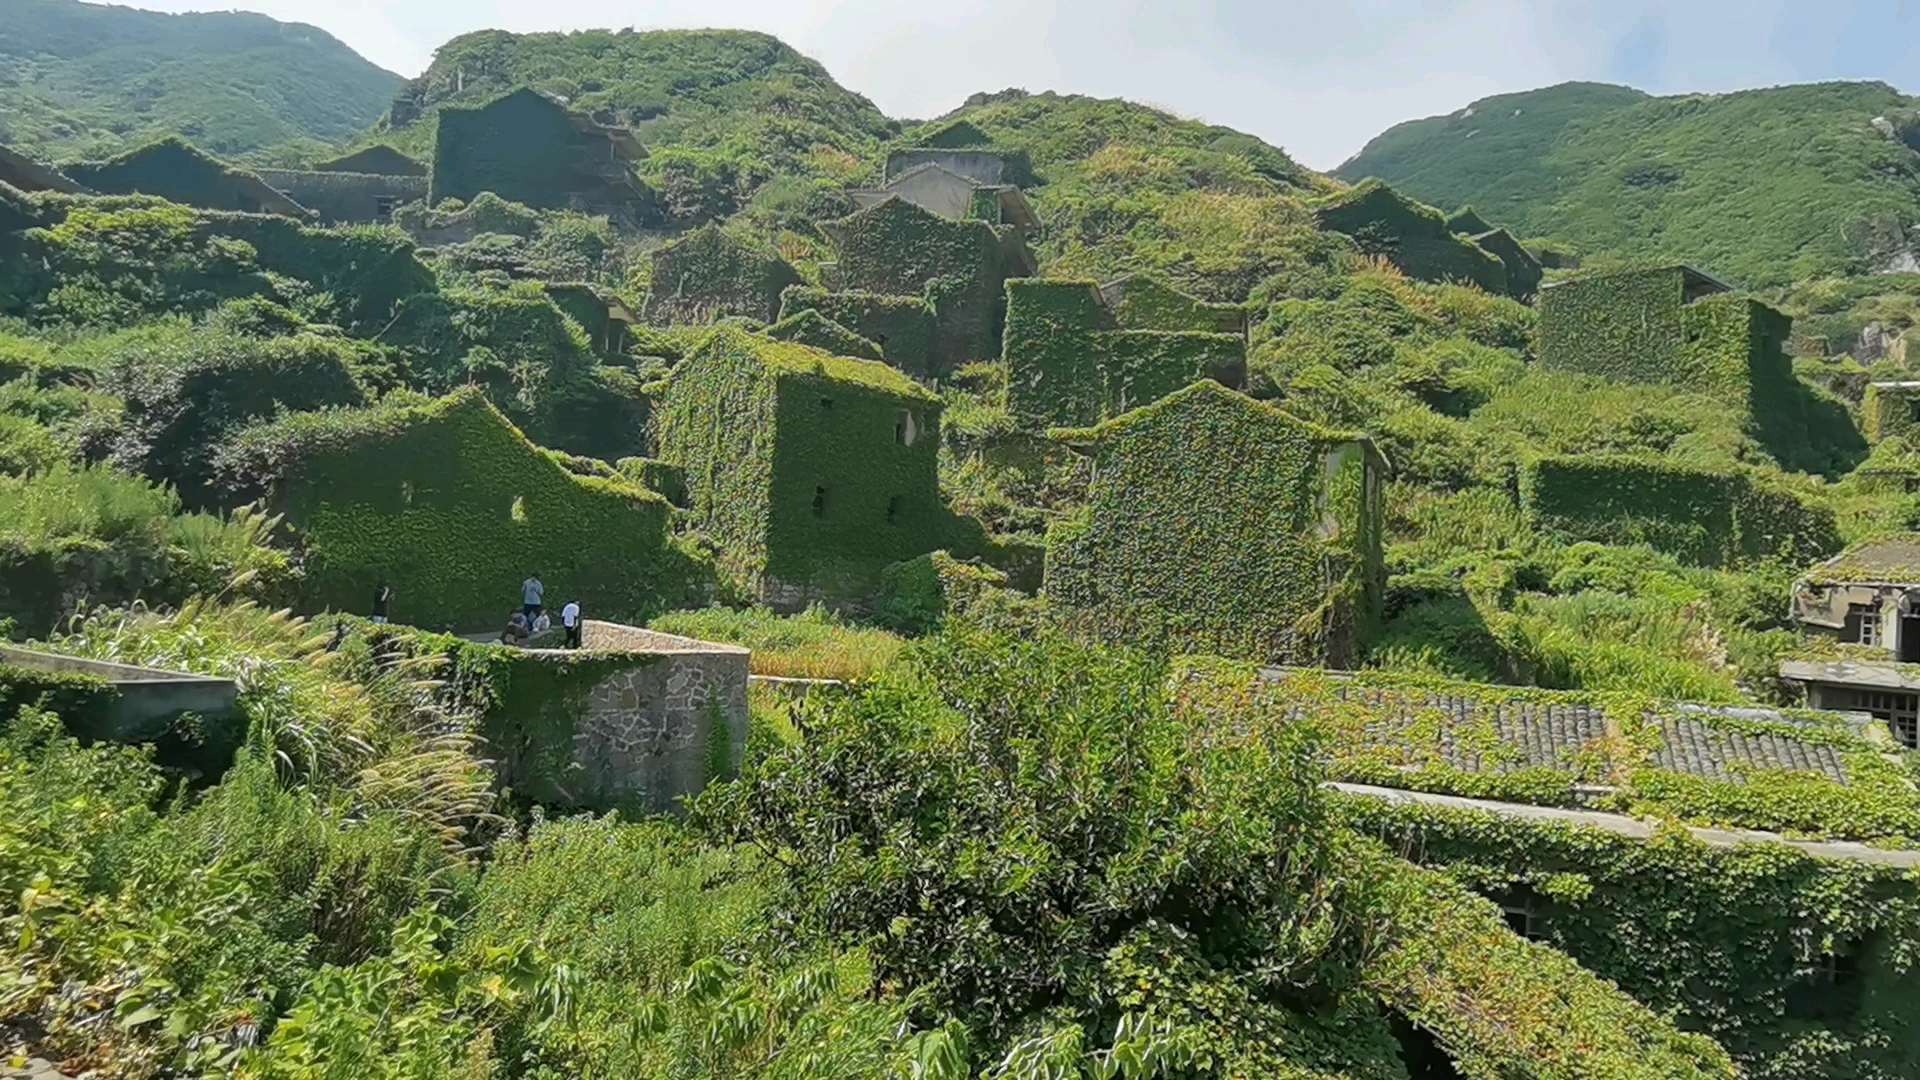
(1318, 77)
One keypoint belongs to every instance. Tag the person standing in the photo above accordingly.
(532, 594)
(570, 618)
(382, 602)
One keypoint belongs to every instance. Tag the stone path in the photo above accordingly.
(33, 1069)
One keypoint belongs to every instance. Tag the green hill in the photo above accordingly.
(1766, 186)
(86, 80)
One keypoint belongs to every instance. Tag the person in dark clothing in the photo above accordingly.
(382, 602)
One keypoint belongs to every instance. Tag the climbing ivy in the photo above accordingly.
(1704, 516)
(904, 327)
(709, 274)
(816, 331)
(1281, 561)
(1413, 237)
(451, 506)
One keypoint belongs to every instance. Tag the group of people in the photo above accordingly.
(529, 622)
(532, 620)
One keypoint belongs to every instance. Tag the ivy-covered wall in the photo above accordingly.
(1144, 302)
(812, 472)
(816, 331)
(1703, 516)
(1218, 524)
(1411, 236)
(904, 327)
(450, 505)
(1891, 409)
(1524, 272)
(521, 147)
(173, 170)
(709, 274)
(897, 249)
(1627, 326)
(1068, 364)
(1799, 966)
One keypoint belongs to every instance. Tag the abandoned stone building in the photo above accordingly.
(1891, 407)
(1414, 237)
(1221, 525)
(1671, 325)
(1867, 597)
(960, 268)
(347, 198)
(1077, 353)
(812, 472)
(710, 274)
(24, 174)
(529, 148)
(173, 169)
(605, 317)
(955, 196)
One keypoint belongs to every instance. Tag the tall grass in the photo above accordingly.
(815, 644)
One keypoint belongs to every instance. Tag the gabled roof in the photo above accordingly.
(28, 175)
(377, 160)
(622, 138)
(1201, 392)
(1014, 207)
(107, 176)
(1696, 282)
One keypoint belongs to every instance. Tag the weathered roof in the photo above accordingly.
(377, 160)
(1087, 438)
(182, 153)
(1904, 678)
(792, 358)
(1696, 281)
(1491, 730)
(1893, 560)
(29, 175)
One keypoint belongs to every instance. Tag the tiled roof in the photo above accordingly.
(1473, 730)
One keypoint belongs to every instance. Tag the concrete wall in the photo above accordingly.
(347, 198)
(149, 700)
(655, 732)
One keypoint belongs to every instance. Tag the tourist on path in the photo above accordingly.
(570, 618)
(516, 631)
(532, 594)
(382, 602)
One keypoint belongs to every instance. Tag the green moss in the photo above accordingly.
(1281, 561)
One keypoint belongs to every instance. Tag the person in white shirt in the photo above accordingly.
(570, 618)
(541, 624)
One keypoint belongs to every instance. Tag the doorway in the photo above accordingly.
(1910, 639)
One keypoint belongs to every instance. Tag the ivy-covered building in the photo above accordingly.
(1707, 517)
(24, 174)
(451, 506)
(710, 274)
(1891, 407)
(376, 160)
(1671, 325)
(906, 329)
(1077, 353)
(959, 268)
(174, 170)
(812, 472)
(344, 198)
(954, 196)
(1648, 840)
(1412, 236)
(1218, 524)
(529, 148)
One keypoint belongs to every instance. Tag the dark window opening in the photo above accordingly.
(1863, 626)
(819, 502)
(1420, 1051)
(826, 404)
(893, 509)
(1913, 409)
(1910, 639)
(1832, 990)
(1523, 909)
(383, 208)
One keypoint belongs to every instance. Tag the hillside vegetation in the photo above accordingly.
(1766, 186)
(85, 81)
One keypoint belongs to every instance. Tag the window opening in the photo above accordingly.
(893, 509)
(1867, 629)
(905, 431)
(519, 511)
(383, 208)
(826, 404)
(819, 502)
(1913, 409)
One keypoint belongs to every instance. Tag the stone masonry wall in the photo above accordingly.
(657, 732)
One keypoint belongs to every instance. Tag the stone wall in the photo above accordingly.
(655, 732)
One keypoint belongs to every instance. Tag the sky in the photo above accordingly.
(1317, 77)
